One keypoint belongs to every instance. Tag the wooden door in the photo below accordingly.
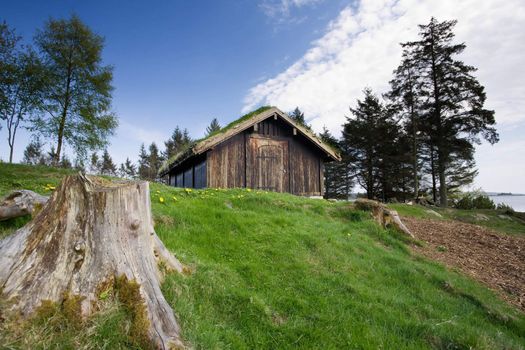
(269, 164)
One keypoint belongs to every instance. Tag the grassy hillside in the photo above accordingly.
(277, 271)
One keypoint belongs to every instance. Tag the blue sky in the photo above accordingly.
(184, 62)
(180, 62)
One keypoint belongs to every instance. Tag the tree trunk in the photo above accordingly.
(91, 232)
(21, 203)
(443, 198)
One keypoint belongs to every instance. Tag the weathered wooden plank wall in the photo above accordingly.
(226, 164)
(269, 156)
(267, 163)
(304, 167)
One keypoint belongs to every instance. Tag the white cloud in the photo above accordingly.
(274, 8)
(360, 48)
(141, 134)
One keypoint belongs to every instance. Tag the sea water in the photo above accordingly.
(516, 202)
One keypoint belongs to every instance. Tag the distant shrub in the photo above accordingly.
(474, 201)
(507, 209)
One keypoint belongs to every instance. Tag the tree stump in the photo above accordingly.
(384, 216)
(90, 233)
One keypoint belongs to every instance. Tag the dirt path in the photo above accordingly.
(495, 259)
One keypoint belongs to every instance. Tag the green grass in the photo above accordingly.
(275, 271)
(495, 219)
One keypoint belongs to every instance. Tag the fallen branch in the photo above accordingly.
(21, 203)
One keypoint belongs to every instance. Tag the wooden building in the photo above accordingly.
(263, 150)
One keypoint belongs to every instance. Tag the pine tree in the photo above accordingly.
(33, 154)
(452, 98)
(178, 141)
(95, 164)
(65, 162)
(107, 167)
(370, 143)
(404, 95)
(128, 170)
(143, 166)
(213, 127)
(79, 165)
(298, 116)
(154, 162)
(337, 179)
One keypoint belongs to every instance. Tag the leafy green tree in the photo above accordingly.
(213, 127)
(20, 83)
(452, 98)
(78, 91)
(107, 167)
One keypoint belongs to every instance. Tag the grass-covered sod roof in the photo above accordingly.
(239, 125)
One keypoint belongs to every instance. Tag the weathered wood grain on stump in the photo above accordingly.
(90, 232)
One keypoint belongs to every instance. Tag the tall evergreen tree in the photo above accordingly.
(154, 162)
(179, 140)
(337, 178)
(127, 170)
(370, 143)
(33, 154)
(107, 167)
(404, 95)
(452, 98)
(298, 116)
(213, 127)
(77, 94)
(20, 83)
(143, 165)
(95, 164)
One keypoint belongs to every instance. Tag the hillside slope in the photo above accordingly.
(277, 271)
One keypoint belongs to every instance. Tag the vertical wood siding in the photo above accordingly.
(267, 164)
(226, 163)
(304, 167)
(268, 156)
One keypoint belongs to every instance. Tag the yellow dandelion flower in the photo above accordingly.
(161, 199)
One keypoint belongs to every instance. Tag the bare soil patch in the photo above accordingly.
(495, 259)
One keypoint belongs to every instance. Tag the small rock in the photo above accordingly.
(504, 217)
(435, 213)
(481, 217)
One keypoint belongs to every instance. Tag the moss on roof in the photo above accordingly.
(187, 151)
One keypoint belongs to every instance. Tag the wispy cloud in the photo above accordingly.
(360, 48)
(141, 133)
(275, 8)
